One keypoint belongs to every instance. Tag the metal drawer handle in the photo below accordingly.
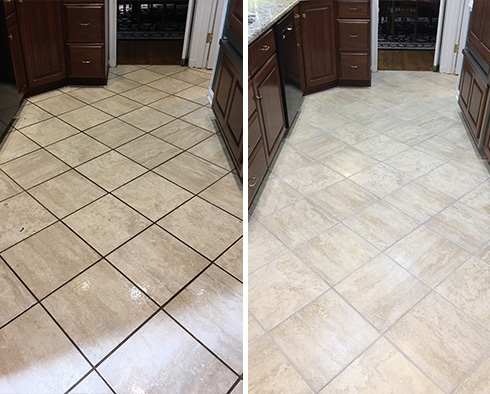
(304, 16)
(289, 28)
(86, 61)
(8, 1)
(10, 37)
(354, 66)
(252, 181)
(353, 8)
(20, 1)
(84, 23)
(297, 16)
(265, 48)
(259, 97)
(354, 35)
(297, 44)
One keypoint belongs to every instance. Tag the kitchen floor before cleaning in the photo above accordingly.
(120, 241)
(369, 247)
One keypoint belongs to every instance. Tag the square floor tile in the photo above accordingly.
(190, 172)
(60, 104)
(149, 151)
(232, 260)
(204, 227)
(144, 94)
(98, 309)
(106, 223)
(277, 195)
(181, 134)
(289, 160)
(352, 132)
(320, 146)
(91, 94)
(191, 76)
(170, 85)
(27, 364)
(143, 76)
(381, 147)
(469, 289)
(43, 96)
(213, 149)
(166, 69)
(204, 118)
(77, 149)
(30, 114)
(21, 216)
(92, 384)
(263, 246)
(255, 331)
(441, 340)
(86, 117)
(148, 361)
(381, 224)
(440, 148)
(323, 338)
(463, 225)
(382, 369)
(114, 133)
(336, 253)
(8, 188)
(349, 161)
(410, 134)
(50, 258)
(286, 278)
(297, 223)
(146, 118)
(381, 123)
(270, 371)
(478, 198)
(381, 179)
(122, 69)
(382, 291)
(120, 84)
(226, 193)
(428, 255)
(14, 297)
(175, 106)
(116, 105)
(49, 131)
(152, 195)
(14, 145)
(211, 309)
(312, 178)
(414, 163)
(158, 263)
(478, 381)
(111, 170)
(196, 93)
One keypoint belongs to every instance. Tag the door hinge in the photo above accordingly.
(209, 38)
(456, 48)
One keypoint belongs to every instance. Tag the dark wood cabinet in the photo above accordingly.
(479, 31)
(318, 39)
(235, 24)
(16, 54)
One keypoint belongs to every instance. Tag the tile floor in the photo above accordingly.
(383, 259)
(120, 241)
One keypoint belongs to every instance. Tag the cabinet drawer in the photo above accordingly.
(9, 6)
(261, 50)
(86, 61)
(354, 66)
(353, 35)
(257, 168)
(253, 132)
(84, 22)
(353, 9)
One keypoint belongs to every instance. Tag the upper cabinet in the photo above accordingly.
(235, 24)
(479, 33)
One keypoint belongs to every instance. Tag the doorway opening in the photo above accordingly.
(151, 31)
(407, 34)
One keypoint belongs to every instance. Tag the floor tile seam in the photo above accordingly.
(182, 326)
(214, 164)
(28, 99)
(227, 272)
(237, 382)
(92, 102)
(159, 79)
(239, 240)
(216, 204)
(191, 146)
(63, 112)
(23, 154)
(15, 184)
(264, 331)
(468, 374)
(96, 372)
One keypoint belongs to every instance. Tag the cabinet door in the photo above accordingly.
(479, 31)
(235, 21)
(317, 34)
(41, 32)
(17, 55)
(269, 98)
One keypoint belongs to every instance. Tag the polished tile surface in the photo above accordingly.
(120, 241)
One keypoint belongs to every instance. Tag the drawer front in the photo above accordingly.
(257, 168)
(84, 23)
(353, 35)
(253, 132)
(353, 9)
(261, 50)
(9, 6)
(87, 61)
(354, 66)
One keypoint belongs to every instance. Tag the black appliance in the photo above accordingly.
(289, 69)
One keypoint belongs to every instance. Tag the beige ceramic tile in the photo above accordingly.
(149, 151)
(66, 193)
(106, 223)
(77, 149)
(381, 224)
(14, 297)
(86, 117)
(381, 369)
(323, 338)
(320, 146)
(43, 96)
(146, 118)
(165, 69)
(111, 170)
(469, 289)
(197, 94)
(15, 145)
(327, 120)
(144, 94)
(336, 253)
(181, 134)
(92, 384)
(349, 161)
(419, 201)
(428, 255)
(232, 260)
(8, 188)
(353, 132)
(413, 162)
(410, 134)
(49, 131)
(440, 148)
(21, 217)
(122, 69)
(60, 104)
(204, 118)
(116, 105)
(381, 179)
(143, 76)
(175, 106)
(478, 198)
(286, 278)
(226, 193)
(255, 331)
(270, 372)
(170, 85)
(37, 357)
(382, 291)
(120, 85)
(343, 199)
(211, 309)
(98, 309)
(148, 362)
(478, 381)
(90, 94)
(50, 258)
(158, 263)
(263, 247)
(288, 160)
(381, 147)
(472, 161)
(381, 123)
(213, 149)
(114, 133)
(463, 225)
(441, 340)
(297, 223)
(204, 227)
(30, 114)
(312, 178)
(191, 76)
(277, 195)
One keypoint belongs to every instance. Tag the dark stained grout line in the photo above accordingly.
(240, 379)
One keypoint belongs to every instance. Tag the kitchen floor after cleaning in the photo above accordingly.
(120, 241)
(369, 247)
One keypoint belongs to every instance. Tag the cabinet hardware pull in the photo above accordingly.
(354, 35)
(304, 16)
(353, 8)
(289, 28)
(354, 66)
(84, 23)
(252, 181)
(10, 37)
(297, 16)
(8, 1)
(297, 44)
(265, 48)
(20, 1)
(86, 61)
(259, 97)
